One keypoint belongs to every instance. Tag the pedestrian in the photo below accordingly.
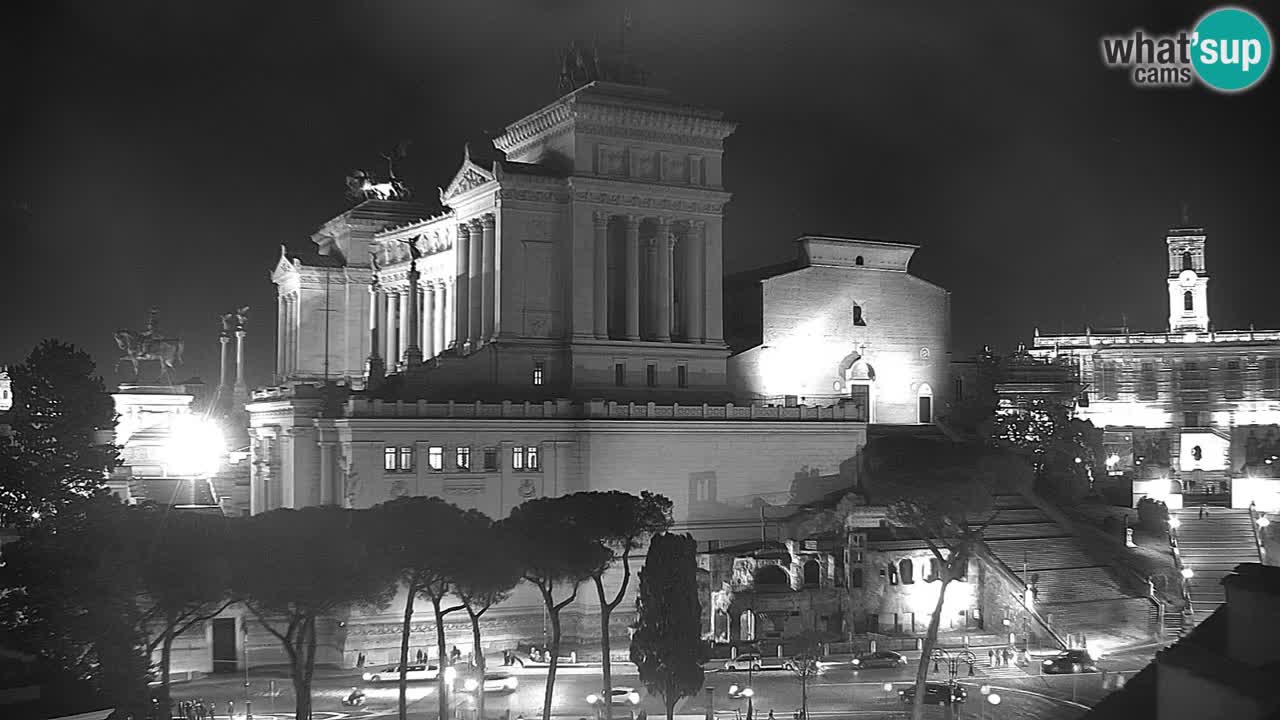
(454, 655)
(1204, 508)
(360, 661)
(231, 709)
(991, 658)
(1008, 657)
(771, 715)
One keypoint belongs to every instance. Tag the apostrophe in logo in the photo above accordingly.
(1231, 49)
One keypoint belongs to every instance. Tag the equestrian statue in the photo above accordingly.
(149, 345)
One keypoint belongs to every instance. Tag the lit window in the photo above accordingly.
(435, 458)
(490, 458)
(389, 459)
(517, 458)
(537, 372)
(406, 459)
(462, 458)
(531, 460)
(682, 376)
(651, 375)
(619, 374)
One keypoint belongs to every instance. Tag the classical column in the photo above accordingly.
(462, 285)
(224, 340)
(662, 282)
(440, 334)
(374, 368)
(412, 322)
(291, 336)
(393, 328)
(489, 270)
(402, 325)
(694, 297)
(632, 224)
(242, 390)
(714, 328)
(601, 292)
(281, 328)
(326, 473)
(475, 279)
(429, 345)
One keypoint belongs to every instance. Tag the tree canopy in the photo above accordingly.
(60, 409)
(667, 647)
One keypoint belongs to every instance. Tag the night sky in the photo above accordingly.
(161, 151)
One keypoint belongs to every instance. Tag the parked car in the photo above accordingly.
(1071, 661)
(618, 696)
(935, 693)
(879, 659)
(391, 673)
(494, 682)
(755, 661)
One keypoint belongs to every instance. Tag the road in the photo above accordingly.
(836, 693)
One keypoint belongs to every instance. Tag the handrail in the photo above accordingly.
(1257, 532)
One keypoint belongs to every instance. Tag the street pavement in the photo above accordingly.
(840, 693)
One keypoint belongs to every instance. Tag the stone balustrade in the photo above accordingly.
(596, 409)
(1043, 342)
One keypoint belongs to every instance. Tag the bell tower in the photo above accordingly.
(1188, 281)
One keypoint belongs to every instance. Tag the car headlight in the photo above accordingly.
(512, 683)
(856, 661)
(634, 698)
(1047, 662)
(470, 684)
(367, 676)
(592, 699)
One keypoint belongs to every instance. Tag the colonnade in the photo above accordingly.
(391, 312)
(671, 253)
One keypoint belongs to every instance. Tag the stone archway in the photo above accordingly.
(857, 382)
(772, 577)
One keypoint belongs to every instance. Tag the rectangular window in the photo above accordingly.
(1271, 376)
(406, 459)
(537, 372)
(531, 459)
(389, 459)
(435, 458)
(1148, 388)
(490, 458)
(1107, 381)
(651, 375)
(682, 376)
(462, 458)
(1232, 383)
(619, 374)
(517, 458)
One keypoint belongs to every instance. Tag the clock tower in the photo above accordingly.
(1188, 281)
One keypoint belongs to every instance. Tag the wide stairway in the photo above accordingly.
(1075, 591)
(1212, 547)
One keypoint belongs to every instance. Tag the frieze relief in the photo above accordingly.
(463, 488)
(542, 196)
(639, 201)
(467, 179)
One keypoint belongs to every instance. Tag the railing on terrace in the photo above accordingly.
(595, 409)
(1046, 342)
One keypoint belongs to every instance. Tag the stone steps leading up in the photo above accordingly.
(1212, 547)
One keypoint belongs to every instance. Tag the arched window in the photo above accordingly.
(812, 574)
(907, 570)
(924, 402)
(772, 576)
(1188, 302)
(857, 315)
(857, 260)
(1186, 261)
(934, 568)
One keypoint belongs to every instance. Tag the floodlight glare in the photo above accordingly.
(195, 446)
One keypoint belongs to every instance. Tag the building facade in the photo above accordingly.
(1188, 410)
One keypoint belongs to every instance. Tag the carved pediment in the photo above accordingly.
(469, 177)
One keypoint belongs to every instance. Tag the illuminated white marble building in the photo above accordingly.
(1190, 409)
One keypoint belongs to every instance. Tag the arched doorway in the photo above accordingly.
(772, 577)
(924, 403)
(812, 574)
(857, 381)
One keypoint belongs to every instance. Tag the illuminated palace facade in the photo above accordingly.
(560, 326)
(1188, 411)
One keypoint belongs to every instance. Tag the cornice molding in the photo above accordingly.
(649, 202)
(532, 126)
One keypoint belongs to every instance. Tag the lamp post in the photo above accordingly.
(244, 638)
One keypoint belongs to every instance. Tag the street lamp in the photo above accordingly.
(1263, 521)
(1174, 523)
(1187, 573)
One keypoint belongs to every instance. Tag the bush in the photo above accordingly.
(1153, 515)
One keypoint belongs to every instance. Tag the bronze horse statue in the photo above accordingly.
(137, 347)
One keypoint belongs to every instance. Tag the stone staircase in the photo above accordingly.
(174, 492)
(1075, 592)
(1212, 547)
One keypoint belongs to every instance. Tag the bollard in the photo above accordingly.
(248, 710)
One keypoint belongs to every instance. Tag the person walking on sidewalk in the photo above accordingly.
(991, 658)
(1204, 508)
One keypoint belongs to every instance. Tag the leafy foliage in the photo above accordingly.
(295, 566)
(71, 592)
(485, 577)
(666, 647)
(54, 456)
(553, 550)
(1153, 515)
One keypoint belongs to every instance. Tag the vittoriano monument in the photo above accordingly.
(149, 345)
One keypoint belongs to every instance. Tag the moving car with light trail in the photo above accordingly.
(413, 673)
(617, 696)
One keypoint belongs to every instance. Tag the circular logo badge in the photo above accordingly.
(1231, 49)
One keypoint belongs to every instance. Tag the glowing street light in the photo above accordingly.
(195, 446)
(1263, 521)
(994, 698)
(1187, 573)
(1174, 523)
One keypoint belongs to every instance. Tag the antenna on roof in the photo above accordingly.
(1186, 214)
